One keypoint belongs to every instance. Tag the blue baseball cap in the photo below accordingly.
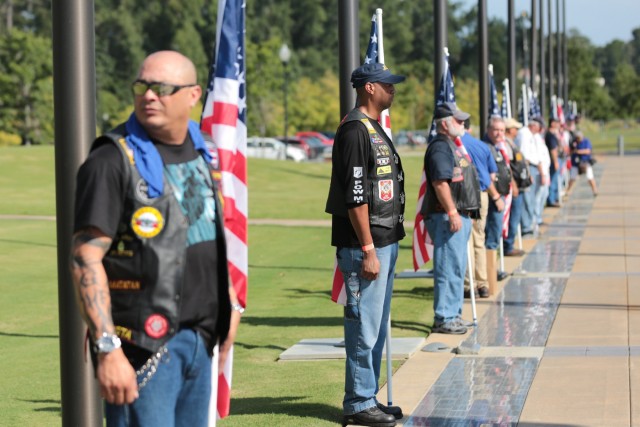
(372, 73)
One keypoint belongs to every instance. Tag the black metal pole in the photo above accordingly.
(348, 51)
(543, 65)
(286, 115)
(483, 63)
(552, 77)
(511, 52)
(534, 46)
(565, 58)
(75, 126)
(440, 40)
(559, 60)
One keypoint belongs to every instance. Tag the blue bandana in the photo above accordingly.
(146, 155)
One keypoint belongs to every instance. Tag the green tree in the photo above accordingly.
(625, 89)
(26, 70)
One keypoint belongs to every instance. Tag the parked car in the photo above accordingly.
(271, 148)
(318, 135)
(311, 146)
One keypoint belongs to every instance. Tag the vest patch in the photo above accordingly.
(385, 189)
(383, 170)
(147, 222)
(156, 326)
(125, 285)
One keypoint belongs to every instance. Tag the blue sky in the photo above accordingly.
(600, 21)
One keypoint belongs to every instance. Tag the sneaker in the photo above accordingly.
(483, 292)
(502, 275)
(466, 323)
(451, 327)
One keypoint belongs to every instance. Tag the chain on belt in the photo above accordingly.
(150, 367)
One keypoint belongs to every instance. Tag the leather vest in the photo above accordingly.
(385, 192)
(145, 264)
(503, 176)
(464, 185)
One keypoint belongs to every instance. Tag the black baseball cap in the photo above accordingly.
(371, 73)
(448, 109)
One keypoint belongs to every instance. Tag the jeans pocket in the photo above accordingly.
(352, 309)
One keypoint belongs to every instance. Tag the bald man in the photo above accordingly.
(148, 255)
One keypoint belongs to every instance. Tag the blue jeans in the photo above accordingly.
(529, 205)
(177, 395)
(449, 265)
(553, 187)
(365, 324)
(514, 220)
(493, 229)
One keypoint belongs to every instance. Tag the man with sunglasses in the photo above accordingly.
(148, 255)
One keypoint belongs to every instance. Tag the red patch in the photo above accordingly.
(156, 326)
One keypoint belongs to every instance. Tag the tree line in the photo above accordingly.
(605, 81)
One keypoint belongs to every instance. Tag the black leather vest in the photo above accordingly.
(464, 185)
(503, 176)
(385, 193)
(146, 261)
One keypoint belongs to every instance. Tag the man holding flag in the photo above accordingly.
(149, 257)
(366, 201)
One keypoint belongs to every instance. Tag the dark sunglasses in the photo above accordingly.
(140, 87)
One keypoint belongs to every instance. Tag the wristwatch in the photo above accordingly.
(237, 307)
(107, 343)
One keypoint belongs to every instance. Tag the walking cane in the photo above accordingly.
(519, 237)
(472, 289)
(501, 254)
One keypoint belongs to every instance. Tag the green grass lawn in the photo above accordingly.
(290, 272)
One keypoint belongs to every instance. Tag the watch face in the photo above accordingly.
(106, 344)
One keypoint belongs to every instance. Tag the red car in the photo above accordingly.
(317, 135)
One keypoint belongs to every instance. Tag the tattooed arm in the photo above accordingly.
(115, 374)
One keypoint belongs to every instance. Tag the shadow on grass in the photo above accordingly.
(253, 347)
(56, 408)
(304, 173)
(292, 321)
(23, 242)
(290, 267)
(410, 326)
(423, 292)
(286, 405)
(11, 334)
(307, 292)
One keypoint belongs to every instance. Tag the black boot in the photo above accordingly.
(372, 417)
(396, 411)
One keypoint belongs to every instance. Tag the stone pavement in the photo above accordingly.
(560, 342)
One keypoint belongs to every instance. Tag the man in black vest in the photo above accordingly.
(149, 258)
(366, 201)
(451, 201)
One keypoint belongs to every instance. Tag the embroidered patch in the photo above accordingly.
(457, 175)
(376, 139)
(385, 190)
(156, 326)
(357, 171)
(142, 191)
(382, 161)
(147, 222)
(383, 170)
(383, 150)
(463, 162)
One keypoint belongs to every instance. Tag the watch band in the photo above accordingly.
(237, 307)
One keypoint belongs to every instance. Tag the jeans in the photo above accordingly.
(529, 202)
(553, 187)
(449, 265)
(365, 324)
(493, 229)
(514, 220)
(179, 392)
(541, 199)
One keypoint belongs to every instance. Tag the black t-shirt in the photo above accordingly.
(100, 203)
(439, 161)
(352, 148)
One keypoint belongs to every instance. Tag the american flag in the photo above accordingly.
(224, 118)
(493, 95)
(375, 54)
(534, 105)
(422, 244)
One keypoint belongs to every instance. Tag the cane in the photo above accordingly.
(472, 289)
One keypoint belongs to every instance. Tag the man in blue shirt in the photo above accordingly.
(486, 168)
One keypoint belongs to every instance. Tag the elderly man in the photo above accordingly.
(366, 201)
(451, 201)
(526, 142)
(149, 259)
(521, 181)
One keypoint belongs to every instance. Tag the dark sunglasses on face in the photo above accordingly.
(140, 87)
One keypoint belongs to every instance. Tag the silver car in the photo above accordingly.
(271, 148)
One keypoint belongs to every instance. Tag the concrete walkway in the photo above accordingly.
(560, 342)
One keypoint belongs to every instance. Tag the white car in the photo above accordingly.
(271, 148)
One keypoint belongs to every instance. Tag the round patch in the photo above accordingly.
(156, 326)
(147, 222)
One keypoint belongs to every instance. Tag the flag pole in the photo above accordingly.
(472, 288)
(525, 106)
(505, 84)
(388, 340)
